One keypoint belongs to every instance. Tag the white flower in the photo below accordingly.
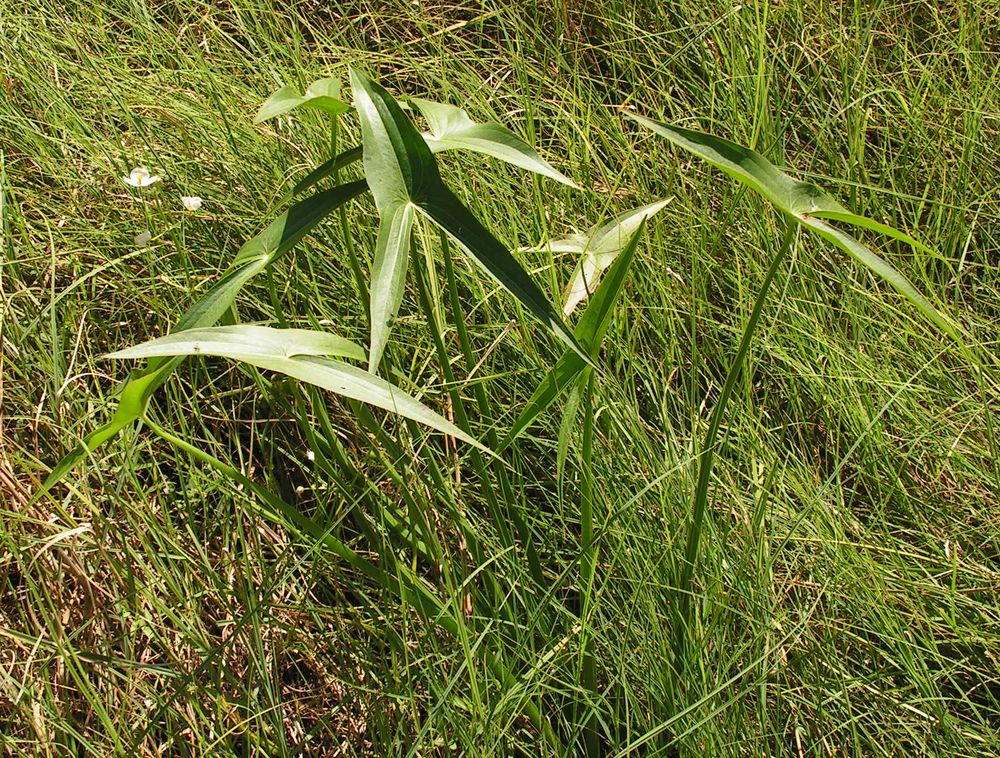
(310, 456)
(141, 240)
(191, 203)
(140, 177)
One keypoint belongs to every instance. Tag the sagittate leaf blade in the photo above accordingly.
(323, 94)
(245, 341)
(590, 332)
(399, 166)
(398, 163)
(336, 163)
(864, 222)
(256, 255)
(401, 169)
(291, 226)
(604, 243)
(453, 129)
(750, 168)
(805, 203)
(335, 376)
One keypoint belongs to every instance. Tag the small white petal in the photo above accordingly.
(191, 203)
(140, 177)
(141, 240)
(310, 455)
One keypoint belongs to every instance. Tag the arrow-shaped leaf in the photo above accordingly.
(401, 169)
(452, 129)
(297, 353)
(256, 255)
(447, 211)
(590, 332)
(322, 93)
(598, 248)
(806, 203)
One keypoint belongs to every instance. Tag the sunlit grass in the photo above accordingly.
(845, 596)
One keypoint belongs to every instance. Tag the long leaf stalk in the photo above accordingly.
(588, 560)
(486, 413)
(685, 624)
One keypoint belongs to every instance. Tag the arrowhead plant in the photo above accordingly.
(804, 205)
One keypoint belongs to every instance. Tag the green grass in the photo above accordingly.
(846, 594)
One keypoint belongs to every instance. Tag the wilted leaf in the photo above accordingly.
(598, 248)
(590, 333)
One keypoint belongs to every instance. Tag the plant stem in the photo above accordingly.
(352, 254)
(486, 412)
(684, 622)
(588, 560)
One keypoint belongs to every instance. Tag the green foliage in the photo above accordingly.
(268, 567)
(323, 94)
(805, 203)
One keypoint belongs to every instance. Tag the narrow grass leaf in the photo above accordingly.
(570, 411)
(452, 129)
(323, 94)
